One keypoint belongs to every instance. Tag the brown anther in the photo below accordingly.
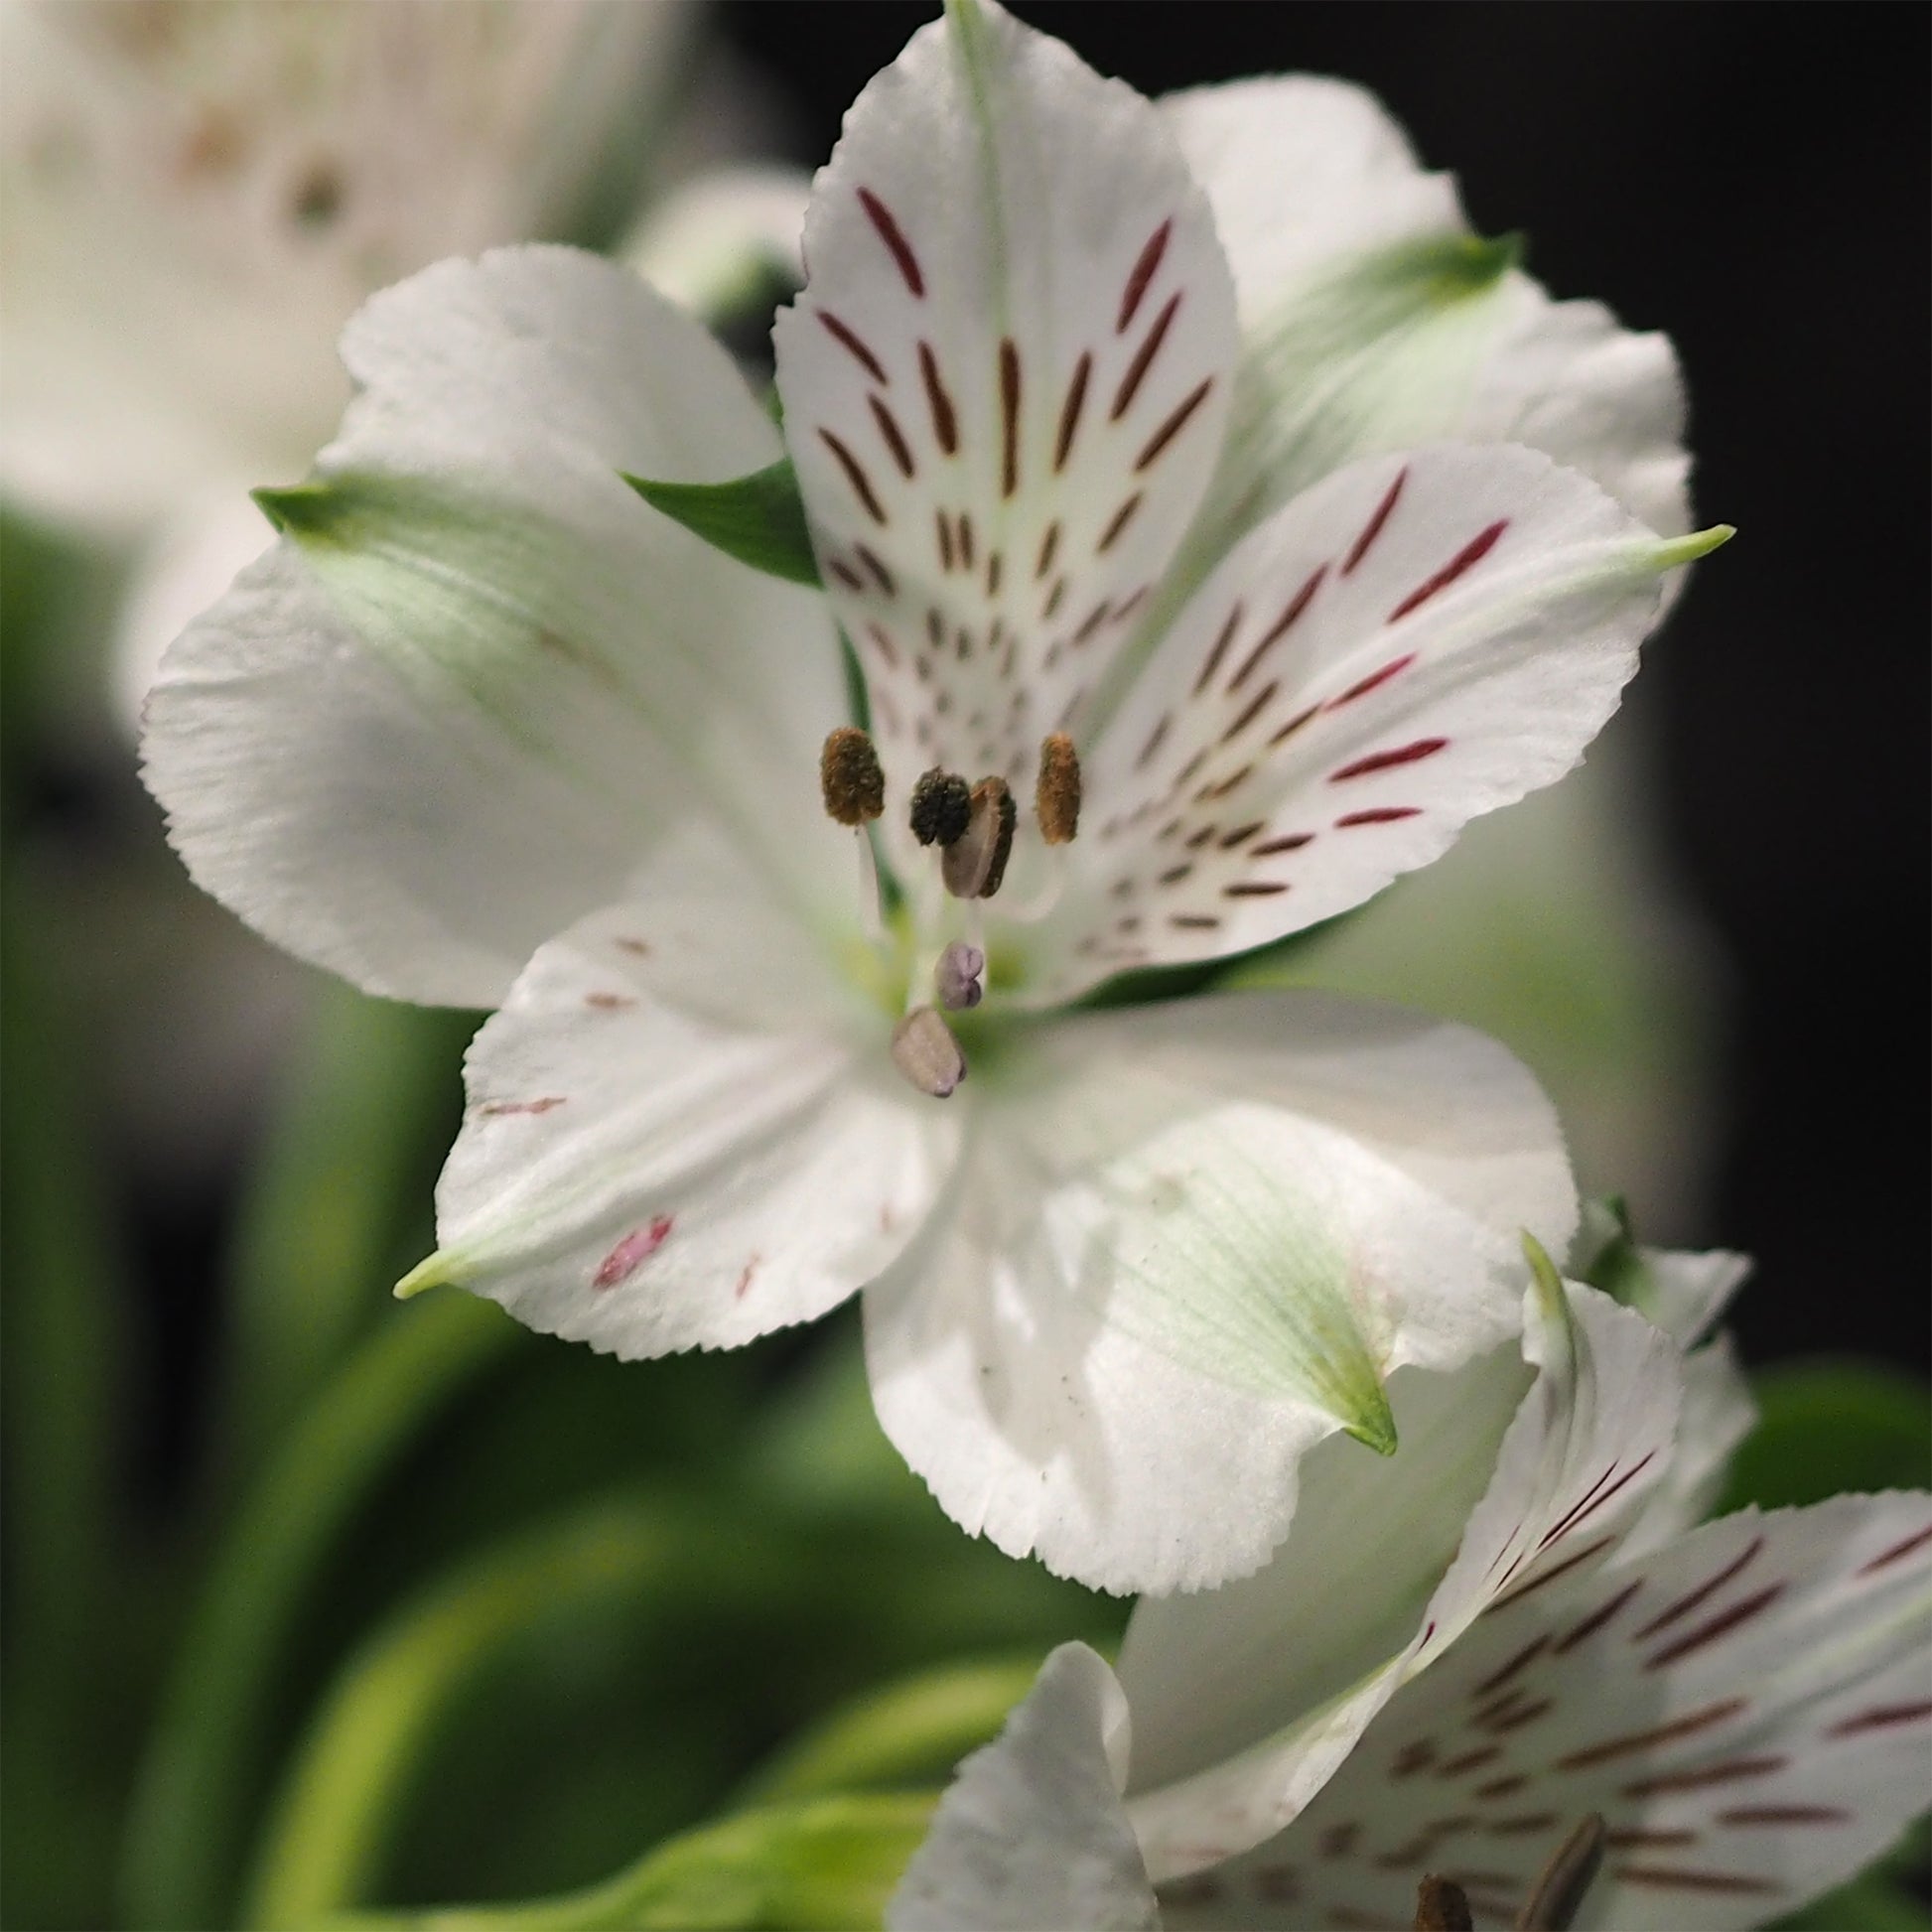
(851, 780)
(1056, 795)
(926, 1052)
(1442, 1905)
(942, 803)
(1557, 1894)
(975, 864)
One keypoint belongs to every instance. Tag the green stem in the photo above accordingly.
(911, 1731)
(824, 1867)
(349, 1153)
(342, 1801)
(192, 1789)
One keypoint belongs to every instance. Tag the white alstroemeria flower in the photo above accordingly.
(1744, 1705)
(486, 730)
(194, 198)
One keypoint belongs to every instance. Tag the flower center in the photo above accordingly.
(971, 827)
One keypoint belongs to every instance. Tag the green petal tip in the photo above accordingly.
(1374, 1424)
(1699, 543)
(1549, 1283)
(434, 1272)
(298, 509)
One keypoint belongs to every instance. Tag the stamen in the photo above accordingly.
(943, 806)
(926, 1052)
(957, 976)
(975, 864)
(1056, 795)
(851, 780)
(1557, 1894)
(1442, 1905)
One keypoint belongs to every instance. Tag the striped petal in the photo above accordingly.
(1746, 1709)
(1005, 383)
(1415, 641)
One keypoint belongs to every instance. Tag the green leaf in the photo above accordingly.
(1830, 1426)
(1868, 1904)
(760, 519)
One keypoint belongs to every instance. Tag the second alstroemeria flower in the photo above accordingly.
(486, 729)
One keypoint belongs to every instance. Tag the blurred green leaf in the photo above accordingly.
(197, 1781)
(760, 519)
(1868, 1905)
(1830, 1426)
(913, 1731)
(824, 1867)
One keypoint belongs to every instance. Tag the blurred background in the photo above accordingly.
(480, 1615)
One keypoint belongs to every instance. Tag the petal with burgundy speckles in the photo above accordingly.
(1415, 641)
(718, 1155)
(1006, 381)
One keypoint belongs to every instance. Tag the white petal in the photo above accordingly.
(1411, 642)
(1004, 385)
(711, 243)
(1718, 1414)
(1182, 1247)
(1684, 1293)
(457, 708)
(191, 215)
(1032, 1833)
(1748, 1710)
(1373, 319)
(653, 1160)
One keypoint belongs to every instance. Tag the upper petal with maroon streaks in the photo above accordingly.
(1005, 384)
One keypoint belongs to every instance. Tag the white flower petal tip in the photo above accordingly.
(434, 1271)
(1699, 543)
(1032, 1833)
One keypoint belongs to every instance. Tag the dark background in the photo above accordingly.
(1753, 180)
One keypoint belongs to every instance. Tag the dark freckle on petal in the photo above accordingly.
(1472, 554)
(1293, 842)
(631, 1253)
(855, 474)
(1142, 273)
(846, 574)
(638, 948)
(1173, 427)
(1053, 597)
(1050, 543)
(1122, 518)
(1194, 921)
(945, 423)
(1137, 370)
(609, 1002)
(1009, 416)
(1212, 663)
(880, 573)
(1175, 875)
(1373, 528)
(856, 344)
(894, 439)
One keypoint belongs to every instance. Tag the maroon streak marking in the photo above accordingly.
(1369, 683)
(1130, 384)
(1592, 1503)
(1502, 1787)
(1423, 747)
(965, 540)
(1588, 1549)
(1241, 833)
(1255, 705)
(1374, 527)
(1293, 725)
(846, 574)
(1092, 622)
(1525, 1657)
(1050, 543)
(1736, 1771)
(631, 1253)
(1254, 889)
(854, 475)
(495, 1109)
(853, 342)
(1381, 815)
(1054, 599)
(1213, 661)
(1194, 921)
(943, 524)
(1687, 1726)
(1640, 1839)
(1470, 1760)
(946, 424)
(1009, 416)
(1686, 1604)
(1897, 1551)
(1472, 554)
(889, 233)
(1173, 427)
(880, 573)
(1880, 1717)
(1784, 1815)
(1717, 1626)
(1076, 398)
(609, 1002)
(993, 565)
(1670, 1878)
(1142, 274)
(1293, 842)
(1122, 518)
(894, 440)
(1155, 737)
(884, 644)
(1596, 1619)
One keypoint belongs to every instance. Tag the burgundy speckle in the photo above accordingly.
(1369, 683)
(1294, 842)
(1142, 274)
(1687, 1726)
(945, 423)
(853, 342)
(855, 474)
(1381, 815)
(631, 1253)
(1687, 1604)
(1897, 1551)
(1879, 1719)
(1130, 384)
(1716, 1627)
(1173, 427)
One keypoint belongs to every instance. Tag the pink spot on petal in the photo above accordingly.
(496, 1108)
(609, 1002)
(744, 1278)
(631, 1253)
